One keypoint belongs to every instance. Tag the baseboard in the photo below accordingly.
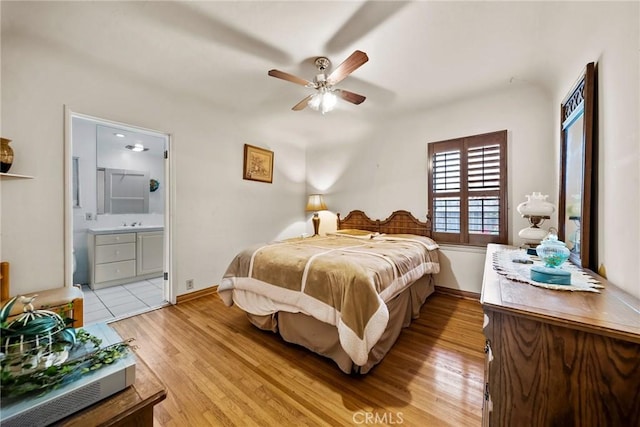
(196, 294)
(458, 293)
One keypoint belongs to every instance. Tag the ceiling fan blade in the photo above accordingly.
(349, 65)
(370, 15)
(354, 98)
(302, 104)
(290, 77)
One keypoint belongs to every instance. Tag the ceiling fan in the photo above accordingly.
(326, 95)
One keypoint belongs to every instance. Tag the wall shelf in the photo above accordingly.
(14, 175)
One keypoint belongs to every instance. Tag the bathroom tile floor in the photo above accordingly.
(118, 302)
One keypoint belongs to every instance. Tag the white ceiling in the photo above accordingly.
(422, 54)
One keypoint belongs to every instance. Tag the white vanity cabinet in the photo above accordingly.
(149, 254)
(118, 256)
(114, 257)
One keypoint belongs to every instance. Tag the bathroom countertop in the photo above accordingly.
(125, 229)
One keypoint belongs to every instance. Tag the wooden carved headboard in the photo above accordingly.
(399, 222)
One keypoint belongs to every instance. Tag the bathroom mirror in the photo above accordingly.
(126, 162)
(577, 170)
(122, 191)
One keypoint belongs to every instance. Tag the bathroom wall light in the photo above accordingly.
(119, 135)
(136, 147)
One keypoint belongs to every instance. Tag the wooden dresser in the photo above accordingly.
(559, 358)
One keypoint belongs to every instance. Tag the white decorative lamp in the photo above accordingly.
(315, 204)
(536, 209)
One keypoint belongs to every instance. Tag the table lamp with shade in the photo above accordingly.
(315, 204)
(536, 209)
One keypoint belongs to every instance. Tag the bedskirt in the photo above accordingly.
(322, 338)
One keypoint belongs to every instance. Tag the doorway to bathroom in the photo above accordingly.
(118, 215)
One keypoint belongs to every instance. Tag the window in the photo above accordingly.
(467, 184)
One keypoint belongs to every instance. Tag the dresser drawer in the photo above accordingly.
(109, 239)
(115, 271)
(113, 253)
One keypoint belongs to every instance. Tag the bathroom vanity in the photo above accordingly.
(124, 254)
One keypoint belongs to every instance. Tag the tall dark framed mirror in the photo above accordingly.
(576, 203)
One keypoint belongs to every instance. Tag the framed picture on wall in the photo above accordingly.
(258, 164)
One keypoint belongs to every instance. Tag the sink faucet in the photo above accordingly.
(133, 224)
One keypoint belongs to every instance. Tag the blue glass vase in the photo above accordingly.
(552, 252)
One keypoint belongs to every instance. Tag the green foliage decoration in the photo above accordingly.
(34, 350)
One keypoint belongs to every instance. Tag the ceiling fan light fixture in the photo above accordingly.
(324, 101)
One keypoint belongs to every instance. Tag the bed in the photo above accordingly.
(346, 295)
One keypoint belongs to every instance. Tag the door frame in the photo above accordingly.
(169, 196)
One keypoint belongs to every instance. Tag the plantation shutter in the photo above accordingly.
(446, 169)
(467, 189)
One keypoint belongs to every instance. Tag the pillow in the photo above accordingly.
(352, 232)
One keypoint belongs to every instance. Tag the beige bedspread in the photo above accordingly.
(343, 281)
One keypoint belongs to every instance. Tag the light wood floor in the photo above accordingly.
(220, 370)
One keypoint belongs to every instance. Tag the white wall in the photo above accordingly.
(216, 211)
(387, 169)
(614, 45)
(84, 134)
